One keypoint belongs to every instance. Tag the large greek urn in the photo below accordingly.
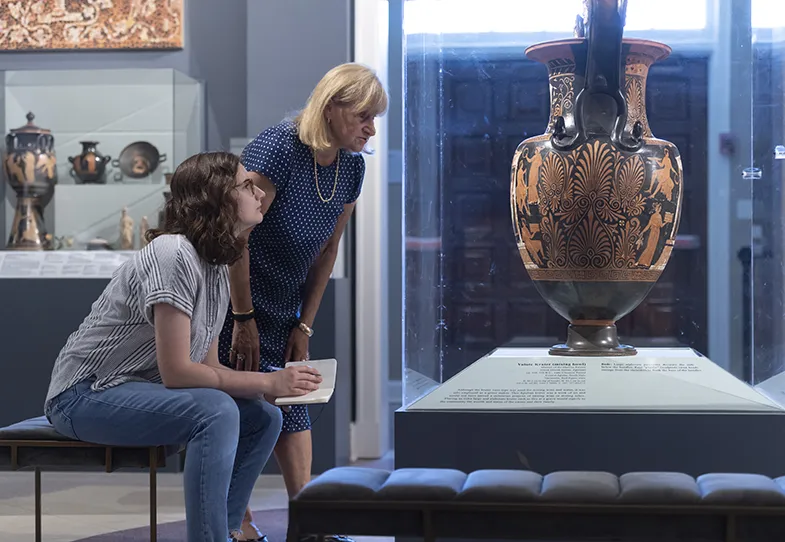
(29, 164)
(596, 199)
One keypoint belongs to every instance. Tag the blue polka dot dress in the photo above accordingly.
(285, 245)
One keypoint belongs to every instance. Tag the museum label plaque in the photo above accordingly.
(656, 379)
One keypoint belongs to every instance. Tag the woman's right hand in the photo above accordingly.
(244, 354)
(293, 381)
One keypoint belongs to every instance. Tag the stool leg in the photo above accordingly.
(292, 532)
(37, 504)
(153, 494)
(427, 523)
(730, 528)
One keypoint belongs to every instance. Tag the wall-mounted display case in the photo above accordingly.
(671, 230)
(87, 158)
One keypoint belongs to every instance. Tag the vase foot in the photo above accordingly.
(594, 341)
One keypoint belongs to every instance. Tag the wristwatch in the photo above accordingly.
(305, 329)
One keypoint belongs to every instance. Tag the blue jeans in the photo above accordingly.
(229, 441)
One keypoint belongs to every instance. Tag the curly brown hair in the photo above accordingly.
(202, 207)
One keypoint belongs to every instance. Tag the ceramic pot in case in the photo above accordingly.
(29, 164)
(90, 166)
(596, 199)
(138, 160)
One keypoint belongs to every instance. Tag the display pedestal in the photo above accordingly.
(665, 409)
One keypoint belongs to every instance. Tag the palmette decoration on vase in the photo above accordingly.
(29, 165)
(596, 200)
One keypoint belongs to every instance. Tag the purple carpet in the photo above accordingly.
(271, 522)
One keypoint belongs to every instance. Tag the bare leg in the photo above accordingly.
(294, 455)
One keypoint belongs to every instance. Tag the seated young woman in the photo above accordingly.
(143, 370)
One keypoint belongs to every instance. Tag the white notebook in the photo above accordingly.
(327, 368)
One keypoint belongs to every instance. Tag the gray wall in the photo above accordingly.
(291, 45)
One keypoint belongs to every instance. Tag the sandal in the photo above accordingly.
(326, 538)
(260, 537)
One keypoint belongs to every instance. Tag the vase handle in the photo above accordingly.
(604, 75)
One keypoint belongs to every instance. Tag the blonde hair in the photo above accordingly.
(349, 84)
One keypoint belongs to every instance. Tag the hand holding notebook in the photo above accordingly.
(327, 368)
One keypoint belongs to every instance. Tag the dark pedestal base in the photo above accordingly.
(616, 442)
(592, 341)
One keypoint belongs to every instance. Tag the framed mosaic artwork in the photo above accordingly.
(36, 25)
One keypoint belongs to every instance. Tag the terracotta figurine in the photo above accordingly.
(126, 231)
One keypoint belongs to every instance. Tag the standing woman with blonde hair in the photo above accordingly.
(312, 170)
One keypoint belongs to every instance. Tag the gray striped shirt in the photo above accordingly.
(116, 342)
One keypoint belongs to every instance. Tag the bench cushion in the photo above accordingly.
(741, 489)
(32, 429)
(578, 487)
(347, 483)
(422, 485)
(577, 505)
(658, 488)
(35, 443)
(501, 486)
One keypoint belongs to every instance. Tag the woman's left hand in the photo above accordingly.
(297, 346)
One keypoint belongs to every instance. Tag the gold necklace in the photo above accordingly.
(316, 176)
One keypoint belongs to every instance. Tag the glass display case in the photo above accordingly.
(682, 247)
(762, 258)
(87, 159)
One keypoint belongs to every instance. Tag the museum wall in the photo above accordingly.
(291, 44)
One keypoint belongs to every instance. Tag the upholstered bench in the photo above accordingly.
(34, 444)
(575, 506)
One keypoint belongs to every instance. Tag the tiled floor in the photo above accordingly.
(78, 505)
